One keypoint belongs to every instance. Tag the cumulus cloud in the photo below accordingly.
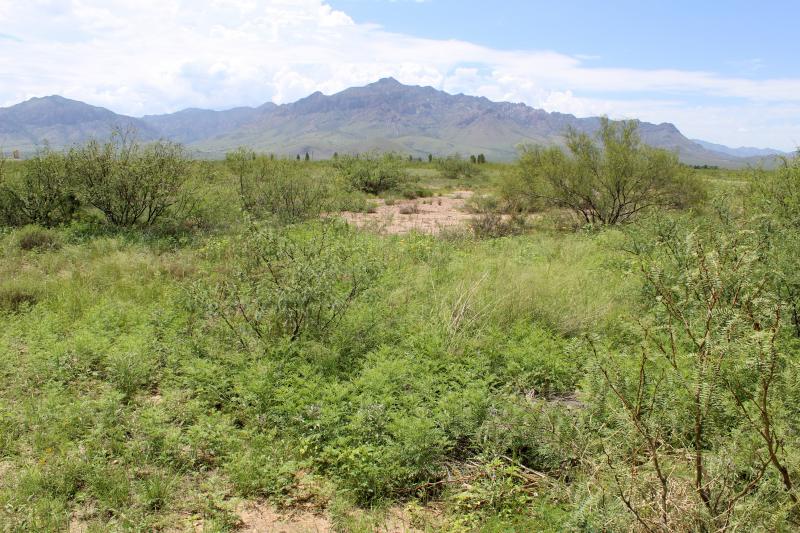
(153, 56)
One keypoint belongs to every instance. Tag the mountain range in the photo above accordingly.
(742, 151)
(385, 115)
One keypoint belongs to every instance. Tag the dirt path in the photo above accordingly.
(425, 215)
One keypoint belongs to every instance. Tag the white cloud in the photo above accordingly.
(150, 56)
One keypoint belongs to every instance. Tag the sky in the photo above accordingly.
(723, 71)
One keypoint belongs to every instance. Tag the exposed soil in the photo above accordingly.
(425, 215)
(264, 518)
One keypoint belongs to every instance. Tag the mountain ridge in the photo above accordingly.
(383, 115)
(741, 151)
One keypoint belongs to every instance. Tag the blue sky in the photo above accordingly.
(726, 72)
(732, 37)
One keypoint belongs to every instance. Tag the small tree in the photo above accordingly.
(430, 158)
(131, 184)
(611, 180)
(473, 159)
(481, 159)
(308, 158)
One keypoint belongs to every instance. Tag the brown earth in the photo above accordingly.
(264, 518)
(425, 215)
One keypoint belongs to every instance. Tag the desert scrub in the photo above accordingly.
(36, 238)
(605, 181)
(409, 209)
(282, 190)
(372, 173)
(462, 371)
(293, 283)
(131, 183)
(455, 167)
(41, 191)
(494, 225)
(17, 296)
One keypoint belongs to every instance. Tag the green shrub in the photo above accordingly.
(347, 200)
(279, 189)
(372, 173)
(539, 362)
(43, 193)
(262, 470)
(774, 198)
(608, 181)
(455, 167)
(410, 191)
(130, 183)
(295, 283)
(517, 191)
(778, 192)
(700, 400)
(494, 492)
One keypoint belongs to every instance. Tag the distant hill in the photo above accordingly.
(385, 115)
(192, 125)
(744, 151)
(60, 122)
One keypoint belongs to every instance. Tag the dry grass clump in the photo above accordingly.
(409, 209)
(36, 238)
(16, 297)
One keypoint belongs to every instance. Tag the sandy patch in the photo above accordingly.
(424, 215)
(264, 518)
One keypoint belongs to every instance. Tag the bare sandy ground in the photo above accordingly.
(264, 518)
(425, 215)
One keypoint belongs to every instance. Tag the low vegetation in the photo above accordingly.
(455, 167)
(40, 192)
(278, 189)
(372, 173)
(126, 183)
(182, 338)
(606, 181)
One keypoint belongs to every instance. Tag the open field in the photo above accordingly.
(376, 345)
